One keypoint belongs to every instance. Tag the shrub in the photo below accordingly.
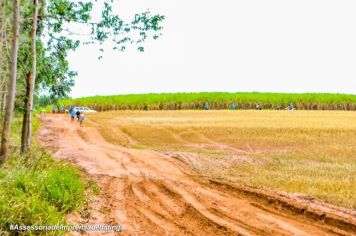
(36, 190)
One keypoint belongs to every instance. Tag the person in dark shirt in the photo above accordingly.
(77, 114)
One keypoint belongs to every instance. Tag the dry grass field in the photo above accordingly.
(304, 152)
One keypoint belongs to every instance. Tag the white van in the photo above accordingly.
(83, 109)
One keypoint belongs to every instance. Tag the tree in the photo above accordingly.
(4, 51)
(30, 84)
(11, 85)
(42, 61)
(60, 13)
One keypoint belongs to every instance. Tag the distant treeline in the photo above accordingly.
(217, 100)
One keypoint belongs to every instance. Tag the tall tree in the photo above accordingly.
(30, 85)
(4, 52)
(9, 109)
(58, 15)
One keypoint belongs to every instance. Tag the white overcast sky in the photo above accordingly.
(231, 45)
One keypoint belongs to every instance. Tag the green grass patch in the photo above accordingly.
(37, 190)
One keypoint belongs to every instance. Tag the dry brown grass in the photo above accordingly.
(308, 152)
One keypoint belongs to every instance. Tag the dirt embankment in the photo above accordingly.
(152, 193)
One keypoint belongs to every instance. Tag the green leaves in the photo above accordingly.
(64, 25)
(112, 27)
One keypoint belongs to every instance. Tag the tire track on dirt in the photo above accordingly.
(154, 194)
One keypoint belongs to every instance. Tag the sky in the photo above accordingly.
(230, 45)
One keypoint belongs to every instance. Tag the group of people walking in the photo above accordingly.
(79, 115)
(290, 107)
(234, 106)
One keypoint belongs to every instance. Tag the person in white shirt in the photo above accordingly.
(81, 119)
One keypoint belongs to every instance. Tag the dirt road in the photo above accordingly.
(151, 193)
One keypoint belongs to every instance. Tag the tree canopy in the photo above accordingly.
(42, 36)
(57, 35)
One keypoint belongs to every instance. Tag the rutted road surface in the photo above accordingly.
(155, 194)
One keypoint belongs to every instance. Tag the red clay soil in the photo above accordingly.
(151, 193)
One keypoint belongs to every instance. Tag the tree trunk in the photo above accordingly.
(3, 59)
(30, 86)
(3, 97)
(4, 150)
(25, 128)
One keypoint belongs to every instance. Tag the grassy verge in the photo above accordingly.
(216, 100)
(37, 190)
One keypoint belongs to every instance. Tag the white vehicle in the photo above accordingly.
(83, 109)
